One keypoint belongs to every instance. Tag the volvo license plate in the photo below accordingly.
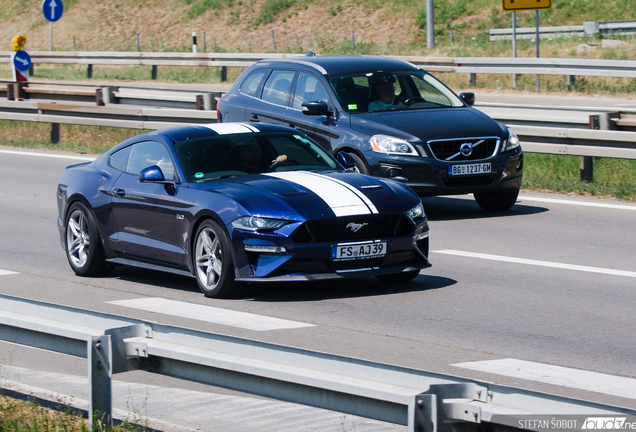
(459, 170)
(357, 251)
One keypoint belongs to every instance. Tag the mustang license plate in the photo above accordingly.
(480, 168)
(357, 251)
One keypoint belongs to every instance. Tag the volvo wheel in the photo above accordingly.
(496, 201)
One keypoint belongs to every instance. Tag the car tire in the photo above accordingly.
(360, 165)
(496, 201)
(214, 268)
(398, 277)
(84, 249)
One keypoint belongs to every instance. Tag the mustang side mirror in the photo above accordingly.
(153, 174)
(468, 97)
(346, 160)
(318, 108)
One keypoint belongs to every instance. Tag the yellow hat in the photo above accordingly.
(18, 42)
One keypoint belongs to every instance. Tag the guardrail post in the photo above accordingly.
(99, 97)
(601, 121)
(223, 74)
(55, 133)
(473, 79)
(18, 90)
(107, 95)
(204, 102)
(10, 92)
(89, 71)
(571, 81)
(153, 73)
(423, 413)
(99, 377)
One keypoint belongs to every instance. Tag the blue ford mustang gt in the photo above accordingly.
(231, 203)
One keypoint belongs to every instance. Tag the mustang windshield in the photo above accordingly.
(388, 91)
(215, 157)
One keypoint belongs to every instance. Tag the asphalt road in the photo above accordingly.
(552, 281)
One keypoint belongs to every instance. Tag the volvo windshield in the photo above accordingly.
(389, 91)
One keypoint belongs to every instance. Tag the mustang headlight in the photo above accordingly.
(416, 212)
(253, 223)
(513, 140)
(391, 145)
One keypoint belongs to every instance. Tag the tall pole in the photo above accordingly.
(50, 35)
(536, 20)
(430, 25)
(514, 46)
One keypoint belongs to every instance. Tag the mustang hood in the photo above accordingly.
(427, 124)
(317, 195)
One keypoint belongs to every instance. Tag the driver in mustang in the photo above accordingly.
(254, 161)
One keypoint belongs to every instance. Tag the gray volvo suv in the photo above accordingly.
(387, 117)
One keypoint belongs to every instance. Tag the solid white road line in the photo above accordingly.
(49, 155)
(210, 314)
(557, 375)
(538, 263)
(578, 203)
(7, 272)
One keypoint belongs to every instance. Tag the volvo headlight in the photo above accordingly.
(513, 140)
(253, 223)
(391, 145)
(416, 212)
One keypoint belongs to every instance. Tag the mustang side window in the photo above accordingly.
(149, 153)
(119, 159)
(309, 89)
(277, 87)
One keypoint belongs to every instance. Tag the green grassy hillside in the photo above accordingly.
(381, 26)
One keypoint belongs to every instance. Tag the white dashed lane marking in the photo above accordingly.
(557, 375)
(49, 155)
(210, 314)
(538, 263)
(578, 203)
(7, 272)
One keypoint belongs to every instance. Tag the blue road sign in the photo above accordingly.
(52, 9)
(22, 61)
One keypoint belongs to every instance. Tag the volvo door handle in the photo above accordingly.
(120, 192)
(254, 119)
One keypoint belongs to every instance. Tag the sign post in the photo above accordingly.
(515, 5)
(52, 10)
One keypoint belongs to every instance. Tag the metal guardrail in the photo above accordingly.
(541, 129)
(574, 131)
(469, 65)
(606, 29)
(109, 116)
(153, 59)
(421, 400)
(546, 66)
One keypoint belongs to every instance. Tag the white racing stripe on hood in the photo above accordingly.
(230, 128)
(360, 195)
(336, 194)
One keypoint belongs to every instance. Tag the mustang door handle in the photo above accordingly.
(120, 192)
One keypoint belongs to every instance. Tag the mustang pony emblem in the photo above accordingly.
(356, 226)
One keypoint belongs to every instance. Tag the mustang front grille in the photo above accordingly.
(353, 228)
(464, 149)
